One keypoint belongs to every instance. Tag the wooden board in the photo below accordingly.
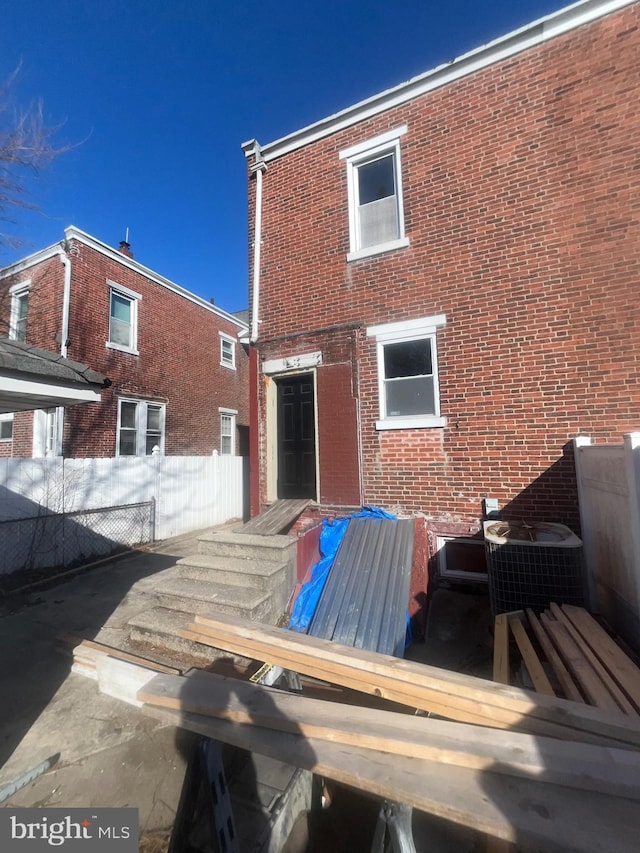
(610, 685)
(531, 660)
(560, 670)
(621, 667)
(422, 686)
(565, 763)
(276, 518)
(556, 819)
(578, 665)
(501, 649)
(89, 650)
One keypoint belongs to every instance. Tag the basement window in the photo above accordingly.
(461, 558)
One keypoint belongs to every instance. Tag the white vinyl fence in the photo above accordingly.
(56, 512)
(609, 493)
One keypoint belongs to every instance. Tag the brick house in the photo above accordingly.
(179, 374)
(444, 281)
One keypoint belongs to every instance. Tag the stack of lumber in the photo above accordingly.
(566, 652)
(89, 655)
(557, 774)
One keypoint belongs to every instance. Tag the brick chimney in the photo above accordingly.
(125, 248)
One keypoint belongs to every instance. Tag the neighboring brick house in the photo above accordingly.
(445, 282)
(179, 374)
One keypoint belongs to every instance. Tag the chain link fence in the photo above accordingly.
(34, 547)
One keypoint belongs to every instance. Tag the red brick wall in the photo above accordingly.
(521, 202)
(178, 362)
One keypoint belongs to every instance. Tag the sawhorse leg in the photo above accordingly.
(394, 826)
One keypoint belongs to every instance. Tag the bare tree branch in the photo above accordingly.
(26, 148)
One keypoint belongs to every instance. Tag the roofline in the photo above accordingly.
(537, 32)
(73, 233)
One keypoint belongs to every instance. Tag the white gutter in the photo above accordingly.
(542, 30)
(258, 166)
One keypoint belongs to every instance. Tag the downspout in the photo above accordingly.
(258, 167)
(64, 343)
(66, 299)
(252, 148)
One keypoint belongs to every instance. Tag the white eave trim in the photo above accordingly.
(73, 233)
(42, 389)
(537, 32)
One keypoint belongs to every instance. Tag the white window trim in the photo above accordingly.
(134, 298)
(17, 291)
(232, 341)
(356, 155)
(409, 330)
(229, 413)
(141, 424)
(48, 423)
(4, 418)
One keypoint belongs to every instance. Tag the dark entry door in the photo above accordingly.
(296, 438)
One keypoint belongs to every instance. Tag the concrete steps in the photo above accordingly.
(201, 596)
(249, 576)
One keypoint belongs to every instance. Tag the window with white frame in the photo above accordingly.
(123, 318)
(376, 215)
(6, 427)
(47, 432)
(408, 373)
(228, 432)
(227, 351)
(140, 427)
(19, 309)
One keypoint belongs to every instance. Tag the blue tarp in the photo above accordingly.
(330, 538)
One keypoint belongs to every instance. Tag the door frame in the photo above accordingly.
(272, 428)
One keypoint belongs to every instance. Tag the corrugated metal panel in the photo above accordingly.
(365, 600)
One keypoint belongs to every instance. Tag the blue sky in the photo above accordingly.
(155, 98)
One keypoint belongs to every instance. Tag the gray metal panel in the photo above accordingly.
(364, 603)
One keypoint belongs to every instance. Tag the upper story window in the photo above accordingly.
(6, 426)
(228, 432)
(408, 373)
(19, 309)
(376, 214)
(227, 351)
(123, 319)
(140, 427)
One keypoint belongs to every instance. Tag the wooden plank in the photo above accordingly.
(352, 680)
(501, 649)
(91, 649)
(586, 767)
(499, 705)
(553, 818)
(530, 658)
(578, 665)
(603, 674)
(276, 517)
(562, 673)
(621, 667)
